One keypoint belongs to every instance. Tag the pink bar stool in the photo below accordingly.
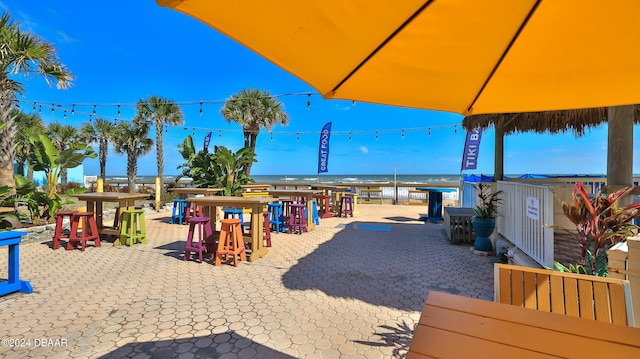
(297, 218)
(199, 246)
(346, 206)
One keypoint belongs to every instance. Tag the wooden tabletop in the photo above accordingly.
(453, 326)
(109, 196)
(7, 209)
(293, 192)
(194, 190)
(231, 201)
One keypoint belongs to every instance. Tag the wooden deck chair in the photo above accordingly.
(584, 296)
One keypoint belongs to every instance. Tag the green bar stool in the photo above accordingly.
(133, 227)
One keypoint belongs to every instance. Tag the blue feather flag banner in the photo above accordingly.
(471, 149)
(207, 138)
(323, 149)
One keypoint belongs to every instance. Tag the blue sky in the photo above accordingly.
(121, 51)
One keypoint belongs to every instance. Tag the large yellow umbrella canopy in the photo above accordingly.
(463, 56)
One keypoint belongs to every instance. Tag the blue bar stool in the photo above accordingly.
(234, 213)
(314, 209)
(179, 206)
(275, 216)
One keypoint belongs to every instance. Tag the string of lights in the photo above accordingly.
(76, 109)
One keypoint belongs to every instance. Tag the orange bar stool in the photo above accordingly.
(88, 232)
(230, 243)
(59, 234)
(199, 246)
(346, 206)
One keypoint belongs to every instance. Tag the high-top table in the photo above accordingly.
(307, 194)
(95, 202)
(184, 192)
(256, 204)
(435, 201)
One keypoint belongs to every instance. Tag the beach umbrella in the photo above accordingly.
(468, 57)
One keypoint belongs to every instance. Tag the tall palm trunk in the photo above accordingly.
(20, 167)
(63, 177)
(103, 148)
(132, 170)
(160, 153)
(7, 133)
(250, 139)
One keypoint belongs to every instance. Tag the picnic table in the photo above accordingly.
(435, 201)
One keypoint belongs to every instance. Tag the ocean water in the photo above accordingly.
(444, 178)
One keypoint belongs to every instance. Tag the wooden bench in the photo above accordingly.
(368, 193)
(453, 326)
(576, 295)
(421, 199)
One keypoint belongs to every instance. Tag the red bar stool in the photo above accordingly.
(297, 218)
(200, 245)
(324, 204)
(346, 206)
(89, 231)
(230, 242)
(59, 234)
(193, 211)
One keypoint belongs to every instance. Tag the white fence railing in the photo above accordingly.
(525, 214)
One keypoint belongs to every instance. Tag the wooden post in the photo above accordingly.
(100, 185)
(624, 263)
(158, 192)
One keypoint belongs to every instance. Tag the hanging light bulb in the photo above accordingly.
(40, 109)
(455, 128)
(65, 114)
(34, 106)
(429, 133)
(271, 135)
(308, 100)
(118, 110)
(376, 135)
(349, 136)
(403, 133)
(73, 109)
(94, 109)
(53, 108)
(219, 133)
(298, 136)
(200, 108)
(353, 103)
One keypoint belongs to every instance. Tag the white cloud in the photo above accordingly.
(364, 149)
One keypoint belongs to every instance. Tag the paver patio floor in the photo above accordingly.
(351, 288)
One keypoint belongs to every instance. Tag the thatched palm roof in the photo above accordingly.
(576, 121)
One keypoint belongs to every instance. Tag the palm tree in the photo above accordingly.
(254, 109)
(21, 53)
(26, 125)
(99, 132)
(61, 136)
(158, 111)
(132, 140)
